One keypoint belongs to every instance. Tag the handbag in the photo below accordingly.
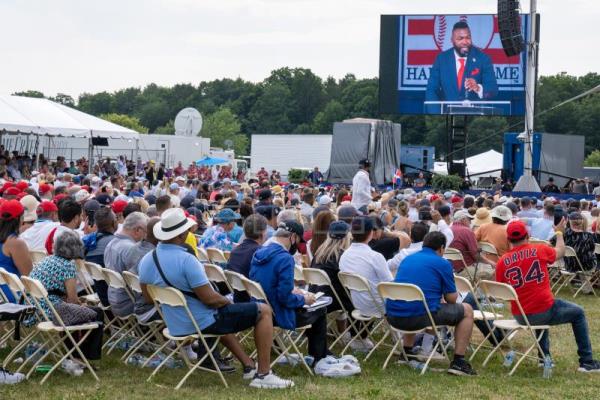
(73, 314)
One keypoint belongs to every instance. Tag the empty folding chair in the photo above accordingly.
(409, 292)
(174, 298)
(60, 335)
(504, 292)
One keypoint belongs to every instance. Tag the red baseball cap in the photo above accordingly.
(516, 230)
(347, 198)
(456, 199)
(12, 191)
(47, 206)
(434, 197)
(45, 188)
(11, 209)
(118, 206)
(22, 185)
(6, 186)
(59, 197)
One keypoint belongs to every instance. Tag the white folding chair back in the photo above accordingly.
(14, 283)
(132, 281)
(590, 277)
(255, 290)
(216, 256)
(174, 298)
(488, 248)
(235, 280)
(95, 271)
(298, 275)
(59, 335)
(452, 254)
(216, 274)
(37, 255)
(202, 255)
(502, 291)
(409, 292)
(314, 276)
(597, 248)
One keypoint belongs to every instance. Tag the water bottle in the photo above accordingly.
(414, 364)
(547, 366)
(509, 358)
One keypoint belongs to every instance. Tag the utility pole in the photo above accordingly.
(527, 182)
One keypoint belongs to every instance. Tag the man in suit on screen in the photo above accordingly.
(463, 72)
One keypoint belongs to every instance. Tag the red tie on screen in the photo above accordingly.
(461, 72)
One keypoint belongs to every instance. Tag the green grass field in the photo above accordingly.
(118, 381)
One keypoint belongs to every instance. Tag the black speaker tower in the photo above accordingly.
(509, 25)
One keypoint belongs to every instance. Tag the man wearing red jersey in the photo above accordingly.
(525, 268)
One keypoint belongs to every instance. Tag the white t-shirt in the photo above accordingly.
(361, 260)
(394, 263)
(35, 237)
(361, 189)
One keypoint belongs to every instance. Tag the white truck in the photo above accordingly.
(284, 152)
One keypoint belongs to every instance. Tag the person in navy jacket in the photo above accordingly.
(463, 72)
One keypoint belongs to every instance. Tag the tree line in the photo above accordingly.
(295, 100)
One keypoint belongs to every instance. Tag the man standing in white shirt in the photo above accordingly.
(361, 187)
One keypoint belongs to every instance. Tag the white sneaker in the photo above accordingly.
(6, 378)
(72, 368)
(332, 367)
(270, 381)
(188, 352)
(249, 372)
(362, 345)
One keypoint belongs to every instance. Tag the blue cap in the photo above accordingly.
(338, 230)
(226, 215)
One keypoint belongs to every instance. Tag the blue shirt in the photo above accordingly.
(235, 234)
(430, 272)
(541, 228)
(185, 272)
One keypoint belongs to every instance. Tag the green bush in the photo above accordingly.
(297, 175)
(446, 182)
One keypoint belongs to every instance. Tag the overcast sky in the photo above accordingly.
(75, 46)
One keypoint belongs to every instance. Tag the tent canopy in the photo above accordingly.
(490, 160)
(210, 161)
(44, 117)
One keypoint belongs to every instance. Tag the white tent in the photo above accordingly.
(490, 160)
(28, 115)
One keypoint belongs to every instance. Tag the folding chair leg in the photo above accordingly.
(377, 345)
(504, 339)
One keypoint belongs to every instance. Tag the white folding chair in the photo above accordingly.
(37, 256)
(172, 297)
(216, 274)
(153, 328)
(281, 336)
(504, 292)
(318, 277)
(452, 254)
(216, 256)
(487, 317)
(95, 272)
(488, 248)
(356, 283)
(202, 255)
(128, 324)
(298, 275)
(588, 277)
(408, 292)
(59, 334)
(17, 290)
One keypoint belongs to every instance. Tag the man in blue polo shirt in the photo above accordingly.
(428, 270)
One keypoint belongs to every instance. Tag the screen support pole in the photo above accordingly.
(527, 182)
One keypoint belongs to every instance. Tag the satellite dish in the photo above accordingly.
(188, 122)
